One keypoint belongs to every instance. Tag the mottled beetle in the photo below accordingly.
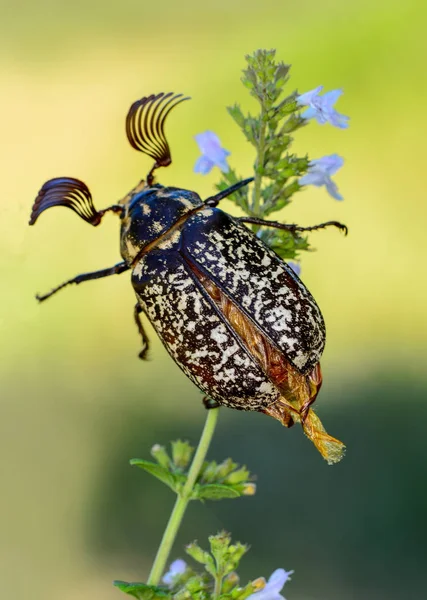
(231, 313)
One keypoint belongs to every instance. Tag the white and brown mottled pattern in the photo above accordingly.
(192, 328)
(259, 282)
(195, 334)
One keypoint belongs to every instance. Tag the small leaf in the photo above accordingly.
(142, 591)
(236, 113)
(156, 470)
(281, 75)
(213, 491)
(202, 557)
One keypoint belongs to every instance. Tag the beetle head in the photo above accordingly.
(151, 214)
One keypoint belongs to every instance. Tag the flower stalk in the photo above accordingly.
(184, 497)
(256, 198)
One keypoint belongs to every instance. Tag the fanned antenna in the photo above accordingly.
(145, 127)
(72, 193)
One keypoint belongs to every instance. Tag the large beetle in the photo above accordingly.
(230, 312)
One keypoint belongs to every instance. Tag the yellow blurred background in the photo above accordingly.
(76, 403)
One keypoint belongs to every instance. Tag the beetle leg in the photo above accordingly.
(291, 227)
(145, 341)
(116, 270)
(210, 403)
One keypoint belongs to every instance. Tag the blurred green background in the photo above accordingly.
(77, 403)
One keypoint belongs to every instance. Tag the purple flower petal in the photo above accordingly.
(310, 113)
(321, 107)
(332, 189)
(312, 178)
(320, 171)
(306, 98)
(213, 154)
(278, 579)
(176, 568)
(272, 588)
(329, 164)
(203, 165)
(338, 120)
(329, 98)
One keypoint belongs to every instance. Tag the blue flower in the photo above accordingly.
(272, 588)
(320, 171)
(321, 107)
(296, 267)
(176, 569)
(213, 154)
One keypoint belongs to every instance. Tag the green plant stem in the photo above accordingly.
(183, 499)
(256, 199)
(218, 585)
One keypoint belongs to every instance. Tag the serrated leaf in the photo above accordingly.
(142, 591)
(156, 470)
(202, 557)
(236, 113)
(213, 491)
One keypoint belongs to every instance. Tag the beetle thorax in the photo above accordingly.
(150, 214)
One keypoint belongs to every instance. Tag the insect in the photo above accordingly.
(230, 312)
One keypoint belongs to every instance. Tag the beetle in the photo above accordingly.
(232, 314)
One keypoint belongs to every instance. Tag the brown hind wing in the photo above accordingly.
(298, 391)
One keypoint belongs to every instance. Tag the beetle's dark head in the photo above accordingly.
(150, 214)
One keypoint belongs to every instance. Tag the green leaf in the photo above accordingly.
(201, 556)
(236, 113)
(142, 591)
(281, 76)
(214, 491)
(294, 122)
(156, 470)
